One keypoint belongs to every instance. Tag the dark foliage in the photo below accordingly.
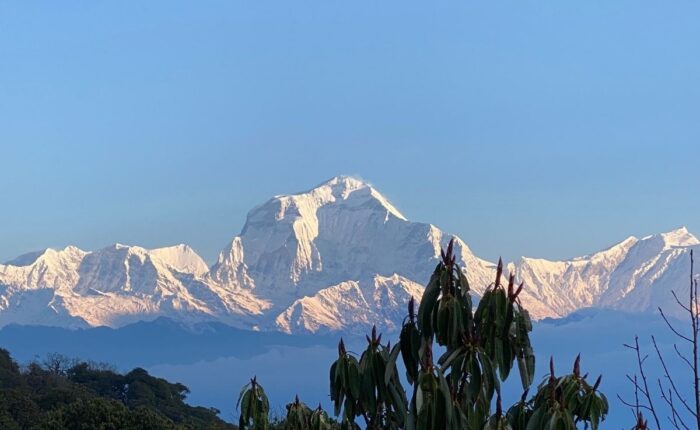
(482, 345)
(67, 394)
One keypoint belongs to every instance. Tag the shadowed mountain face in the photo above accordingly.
(337, 257)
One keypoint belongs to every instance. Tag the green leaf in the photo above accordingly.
(391, 363)
(427, 304)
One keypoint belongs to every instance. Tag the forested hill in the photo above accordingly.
(68, 394)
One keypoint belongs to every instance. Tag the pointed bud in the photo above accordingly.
(517, 292)
(524, 396)
(511, 281)
(597, 382)
(411, 309)
(341, 348)
(551, 366)
(374, 333)
(296, 399)
(577, 366)
(499, 272)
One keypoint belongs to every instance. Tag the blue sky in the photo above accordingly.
(533, 128)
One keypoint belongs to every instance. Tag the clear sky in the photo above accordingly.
(536, 128)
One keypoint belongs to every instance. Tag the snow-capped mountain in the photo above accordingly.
(112, 286)
(337, 257)
(296, 251)
(635, 275)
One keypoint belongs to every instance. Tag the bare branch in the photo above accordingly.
(694, 321)
(645, 390)
(683, 357)
(679, 302)
(632, 405)
(637, 387)
(673, 329)
(675, 417)
(670, 379)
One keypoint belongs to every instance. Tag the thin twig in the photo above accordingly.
(694, 321)
(669, 378)
(686, 308)
(683, 357)
(645, 390)
(676, 332)
(675, 417)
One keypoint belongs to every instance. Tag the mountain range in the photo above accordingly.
(337, 257)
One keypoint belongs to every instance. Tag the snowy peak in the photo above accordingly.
(319, 256)
(339, 190)
(339, 256)
(181, 258)
(26, 259)
(52, 269)
(614, 252)
(46, 256)
(674, 238)
(634, 275)
(295, 244)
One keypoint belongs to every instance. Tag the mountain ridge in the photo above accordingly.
(336, 257)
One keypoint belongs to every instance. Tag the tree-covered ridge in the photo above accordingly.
(65, 394)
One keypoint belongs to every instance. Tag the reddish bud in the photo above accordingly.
(551, 366)
(499, 272)
(511, 281)
(449, 249)
(517, 292)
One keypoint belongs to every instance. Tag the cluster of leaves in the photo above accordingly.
(254, 407)
(481, 348)
(370, 387)
(68, 394)
(560, 403)
(301, 417)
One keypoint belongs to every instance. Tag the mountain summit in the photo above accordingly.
(339, 256)
(296, 249)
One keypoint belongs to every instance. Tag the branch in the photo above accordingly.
(632, 405)
(687, 309)
(673, 329)
(637, 387)
(683, 357)
(645, 390)
(675, 417)
(694, 321)
(670, 380)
